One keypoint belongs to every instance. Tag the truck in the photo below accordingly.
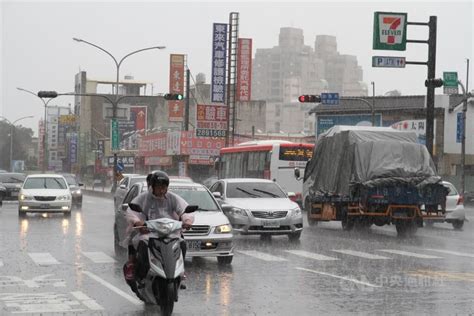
(363, 176)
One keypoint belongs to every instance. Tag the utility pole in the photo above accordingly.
(463, 139)
(186, 108)
(430, 89)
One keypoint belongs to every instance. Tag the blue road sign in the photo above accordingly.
(330, 98)
(459, 128)
(120, 166)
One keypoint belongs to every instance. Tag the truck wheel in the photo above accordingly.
(458, 224)
(307, 208)
(347, 223)
(406, 229)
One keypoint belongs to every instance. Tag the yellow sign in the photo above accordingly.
(67, 119)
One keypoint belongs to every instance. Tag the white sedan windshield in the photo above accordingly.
(45, 183)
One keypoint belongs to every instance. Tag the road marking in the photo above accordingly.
(340, 277)
(43, 258)
(361, 254)
(311, 255)
(98, 257)
(1, 263)
(118, 291)
(409, 254)
(457, 276)
(86, 300)
(462, 254)
(261, 255)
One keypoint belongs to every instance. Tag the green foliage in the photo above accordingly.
(22, 141)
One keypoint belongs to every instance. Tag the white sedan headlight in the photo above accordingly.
(223, 229)
(24, 197)
(296, 212)
(63, 198)
(238, 211)
(78, 191)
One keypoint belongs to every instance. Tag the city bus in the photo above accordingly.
(267, 159)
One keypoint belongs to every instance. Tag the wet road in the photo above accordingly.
(54, 264)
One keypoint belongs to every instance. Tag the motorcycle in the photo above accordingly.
(166, 262)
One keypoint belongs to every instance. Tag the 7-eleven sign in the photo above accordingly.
(390, 31)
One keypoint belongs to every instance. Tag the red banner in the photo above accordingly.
(244, 70)
(152, 145)
(138, 115)
(176, 108)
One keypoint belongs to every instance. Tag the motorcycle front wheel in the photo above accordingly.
(167, 299)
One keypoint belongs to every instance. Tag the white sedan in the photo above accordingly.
(455, 213)
(44, 193)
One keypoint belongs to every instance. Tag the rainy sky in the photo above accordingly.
(38, 53)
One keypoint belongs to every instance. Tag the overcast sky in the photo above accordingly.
(38, 53)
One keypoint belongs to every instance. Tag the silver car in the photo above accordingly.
(124, 186)
(209, 236)
(258, 206)
(44, 193)
(455, 213)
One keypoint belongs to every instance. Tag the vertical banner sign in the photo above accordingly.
(211, 120)
(115, 134)
(138, 115)
(244, 69)
(390, 31)
(176, 108)
(219, 49)
(73, 148)
(100, 149)
(459, 128)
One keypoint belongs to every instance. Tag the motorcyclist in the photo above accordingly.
(156, 203)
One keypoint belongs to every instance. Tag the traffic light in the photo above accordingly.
(173, 96)
(434, 83)
(309, 98)
(47, 94)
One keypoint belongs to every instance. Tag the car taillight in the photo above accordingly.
(460, 200)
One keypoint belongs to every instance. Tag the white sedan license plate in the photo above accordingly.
(271, 224)
(193, 244)
(44, 206)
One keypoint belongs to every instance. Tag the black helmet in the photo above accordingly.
(159, 178)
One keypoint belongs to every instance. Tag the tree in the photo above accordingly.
(22, 141)
(393, 93)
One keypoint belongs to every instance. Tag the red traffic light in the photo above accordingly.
(309, 98)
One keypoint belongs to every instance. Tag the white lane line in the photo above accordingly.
(311, 255)
(118, 291)
(86, 300)
(462, 254)
(98, 257)
(43, 258)
(261, 255)
(1, 263)
(361, 254)
(409, 254)
(340, 277)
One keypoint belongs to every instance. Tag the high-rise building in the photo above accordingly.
(282, 73)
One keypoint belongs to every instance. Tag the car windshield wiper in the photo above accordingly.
(266, 192)
(247, 192)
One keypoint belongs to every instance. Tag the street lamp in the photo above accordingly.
(115, 103)
(45, 122)
(12, 127)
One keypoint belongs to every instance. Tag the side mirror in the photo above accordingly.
(191, 208)
(135, 207)
(123, 186)
(297, 173)
(124, 207)
(292, 195)
(81, 184)
(217, 195)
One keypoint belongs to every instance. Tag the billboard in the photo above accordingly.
(176, 108)
(73, 148)
(211, 120)
(390, 31)
(325, 122)
(219, 50)
(244, 69)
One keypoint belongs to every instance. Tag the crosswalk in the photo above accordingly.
(329, 255)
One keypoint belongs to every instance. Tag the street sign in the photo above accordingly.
(388, 62)
(120, 166)
(115, 134)
(450, 82)
(330, 98)
(390, 31)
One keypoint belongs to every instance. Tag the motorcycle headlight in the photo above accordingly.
(238, 211)
(223, 229)
(296, 212)
(24, 197)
